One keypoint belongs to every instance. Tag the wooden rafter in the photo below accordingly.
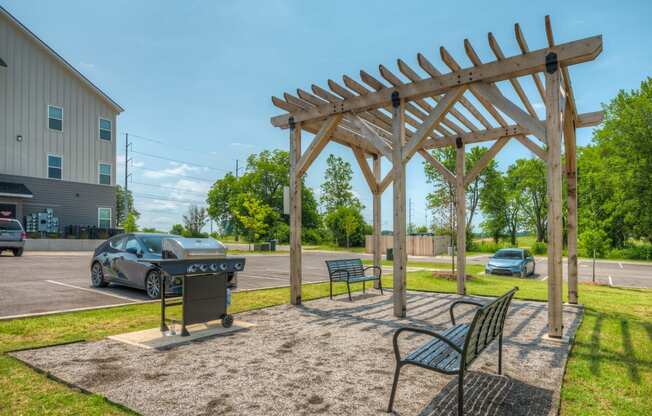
(522, 43)
(318, 143)
(492, 94)
(364, 167)
(570, 53)
(533, 147)
(428, 124)
(485, 159)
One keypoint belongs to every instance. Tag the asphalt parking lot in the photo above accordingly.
(41, 282)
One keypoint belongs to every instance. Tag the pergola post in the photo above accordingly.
(398, 167)
(555, 237)
(571, 182)
(377, 193)
(295, 214)
(460, 208)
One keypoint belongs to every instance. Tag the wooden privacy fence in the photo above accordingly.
(416, 245)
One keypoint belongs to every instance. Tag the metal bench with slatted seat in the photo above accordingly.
(454, 350)
(352, 271)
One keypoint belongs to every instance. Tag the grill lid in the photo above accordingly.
(192, 248)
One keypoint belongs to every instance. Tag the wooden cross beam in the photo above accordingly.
(567, 54)
(318, 143)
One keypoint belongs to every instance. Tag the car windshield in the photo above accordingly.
(152, 244)
(10, 226)
(508, 254)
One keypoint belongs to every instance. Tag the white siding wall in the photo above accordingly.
(32, 81)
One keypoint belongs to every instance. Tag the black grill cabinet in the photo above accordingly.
(206, 276)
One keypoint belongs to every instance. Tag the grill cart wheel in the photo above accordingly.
(227, 321)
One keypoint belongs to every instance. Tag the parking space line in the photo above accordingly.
(611, 282)
(621, 265)
(544, 278)
(91, 290)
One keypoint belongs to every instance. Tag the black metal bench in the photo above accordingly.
(453, 350)
(351, 271)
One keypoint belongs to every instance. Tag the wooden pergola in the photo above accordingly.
(402, 115)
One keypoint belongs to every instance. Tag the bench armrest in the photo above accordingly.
(461, 302)
(380, 270)
(421, 331)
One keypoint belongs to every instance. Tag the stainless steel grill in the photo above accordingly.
(206, 275)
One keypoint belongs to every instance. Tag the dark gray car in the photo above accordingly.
(123, 260)
(12, 236)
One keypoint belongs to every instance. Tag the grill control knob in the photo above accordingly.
(203, 267)
(213, 267)
(238, 266)
(223, 266)
(192, 268)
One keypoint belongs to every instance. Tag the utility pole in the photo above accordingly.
(235, 226)
(126, 207)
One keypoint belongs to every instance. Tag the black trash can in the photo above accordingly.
(389, 255)
(272, 245)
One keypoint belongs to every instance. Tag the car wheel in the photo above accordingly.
(18, 252)
(152, 285)
(97, 276)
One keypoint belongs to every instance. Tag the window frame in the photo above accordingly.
(47, 118)
(99, 218)
(99, 173)
(99, 129)
(47, 164)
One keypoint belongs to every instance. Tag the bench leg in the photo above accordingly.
(460, 395)
(500, 354)
(331, 290)
(390, 407)
(348, 288)
(363, 287)
(380, 286)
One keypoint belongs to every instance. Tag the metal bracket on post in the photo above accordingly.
(291, 123)
(459, 143)
(552, 64)
(396, 99)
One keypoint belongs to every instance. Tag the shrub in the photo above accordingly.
(594, 241)
(539, 247)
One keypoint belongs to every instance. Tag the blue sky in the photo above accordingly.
(196, 77)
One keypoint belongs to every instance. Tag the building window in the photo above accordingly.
(104, 217)
(105, 129)
(55, 166)
(105, 174)
(55, 118)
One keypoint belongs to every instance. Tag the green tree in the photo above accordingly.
(528, 178)
(336, 187)
(442, 198)
(254, 217)
(493, 204)
(120, 204)
(615, 172)
(194, 220)
(265, 176)
(347, 226)
(130, 225)
(177, 229)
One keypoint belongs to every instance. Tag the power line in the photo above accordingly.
(168, 187)
(162, 198)
(179, 161)
(176, 175)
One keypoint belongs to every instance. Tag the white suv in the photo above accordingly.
(12, 236)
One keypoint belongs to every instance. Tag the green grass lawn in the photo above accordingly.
(609, 371)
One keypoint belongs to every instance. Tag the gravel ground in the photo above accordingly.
(326, 357)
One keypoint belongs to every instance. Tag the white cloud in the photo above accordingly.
(238, 144)
(175, 170)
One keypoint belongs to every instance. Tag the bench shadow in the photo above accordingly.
(491, 395)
